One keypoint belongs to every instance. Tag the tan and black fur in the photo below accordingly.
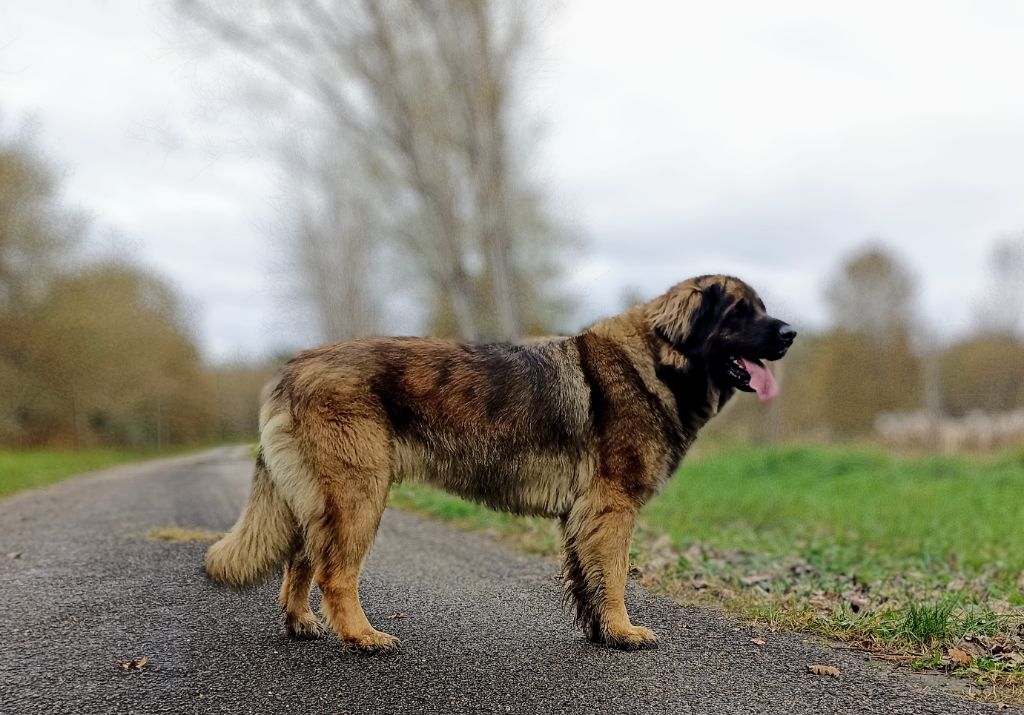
(585, 428)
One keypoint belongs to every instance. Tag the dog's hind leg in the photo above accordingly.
(299, 619)
(597, 532)
(355, 476)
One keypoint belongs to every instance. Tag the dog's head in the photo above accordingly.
(719, 324)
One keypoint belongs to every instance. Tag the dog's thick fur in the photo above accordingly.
(585, 428)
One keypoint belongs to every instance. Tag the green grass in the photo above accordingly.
(27, 469)
(853, 510)
(898, 554)
(858, 513)
(532, 534)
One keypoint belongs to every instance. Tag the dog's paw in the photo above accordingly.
(628, 638)
(374, 643)
(304, 627)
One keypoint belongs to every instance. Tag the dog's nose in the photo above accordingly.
(787, 333)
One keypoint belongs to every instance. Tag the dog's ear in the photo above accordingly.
(686, 316)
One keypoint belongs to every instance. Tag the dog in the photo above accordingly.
(584, 428)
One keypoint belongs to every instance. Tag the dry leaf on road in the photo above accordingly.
(959, 657)
(829, 670)
(399, 614)
(757, 641)
(137, 664)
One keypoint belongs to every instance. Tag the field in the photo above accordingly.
(918, 558)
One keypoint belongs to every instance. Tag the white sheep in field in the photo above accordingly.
(975, 431)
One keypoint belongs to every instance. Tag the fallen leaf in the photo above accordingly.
(137, 664)
(756, 579)
(972, 648)
(399, 614)
(14, 555)
(959, 657)
(757, 641)
(829, 670)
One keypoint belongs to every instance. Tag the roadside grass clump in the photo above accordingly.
(180, 534)
(924, 624)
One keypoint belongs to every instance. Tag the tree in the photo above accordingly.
(112, 362)
(866, 364)
(333, 249)
(872, 295)
(984, 372)
(422, 96)
(96, 353)
(1000, 311)
(37, 232)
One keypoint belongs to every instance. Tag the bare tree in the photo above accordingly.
(872, 295)
(422, 93)
(36, 231)
(867, 363)
(332, 247)
(1000, 310)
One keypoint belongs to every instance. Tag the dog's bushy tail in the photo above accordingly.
(260, 541)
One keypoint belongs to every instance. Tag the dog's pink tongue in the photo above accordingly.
(761, 379)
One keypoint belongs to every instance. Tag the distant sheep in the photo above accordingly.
(979, 431)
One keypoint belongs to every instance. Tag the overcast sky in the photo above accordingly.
(761, 139)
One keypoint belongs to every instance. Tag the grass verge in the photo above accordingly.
(917, 559)
(28, 469)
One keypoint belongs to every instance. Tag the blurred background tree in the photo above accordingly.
(36, 231)
(94, 353)
(866, 363)
(984, 370)
(109, 344)
(422, 101)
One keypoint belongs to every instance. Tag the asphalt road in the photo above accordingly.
(485, 630)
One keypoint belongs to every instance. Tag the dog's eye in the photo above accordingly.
(742, 311)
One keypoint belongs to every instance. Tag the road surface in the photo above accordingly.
(485, 630)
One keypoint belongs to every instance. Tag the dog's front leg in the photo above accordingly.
(597, 533)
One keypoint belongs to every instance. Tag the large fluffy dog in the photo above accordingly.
(586, 429)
